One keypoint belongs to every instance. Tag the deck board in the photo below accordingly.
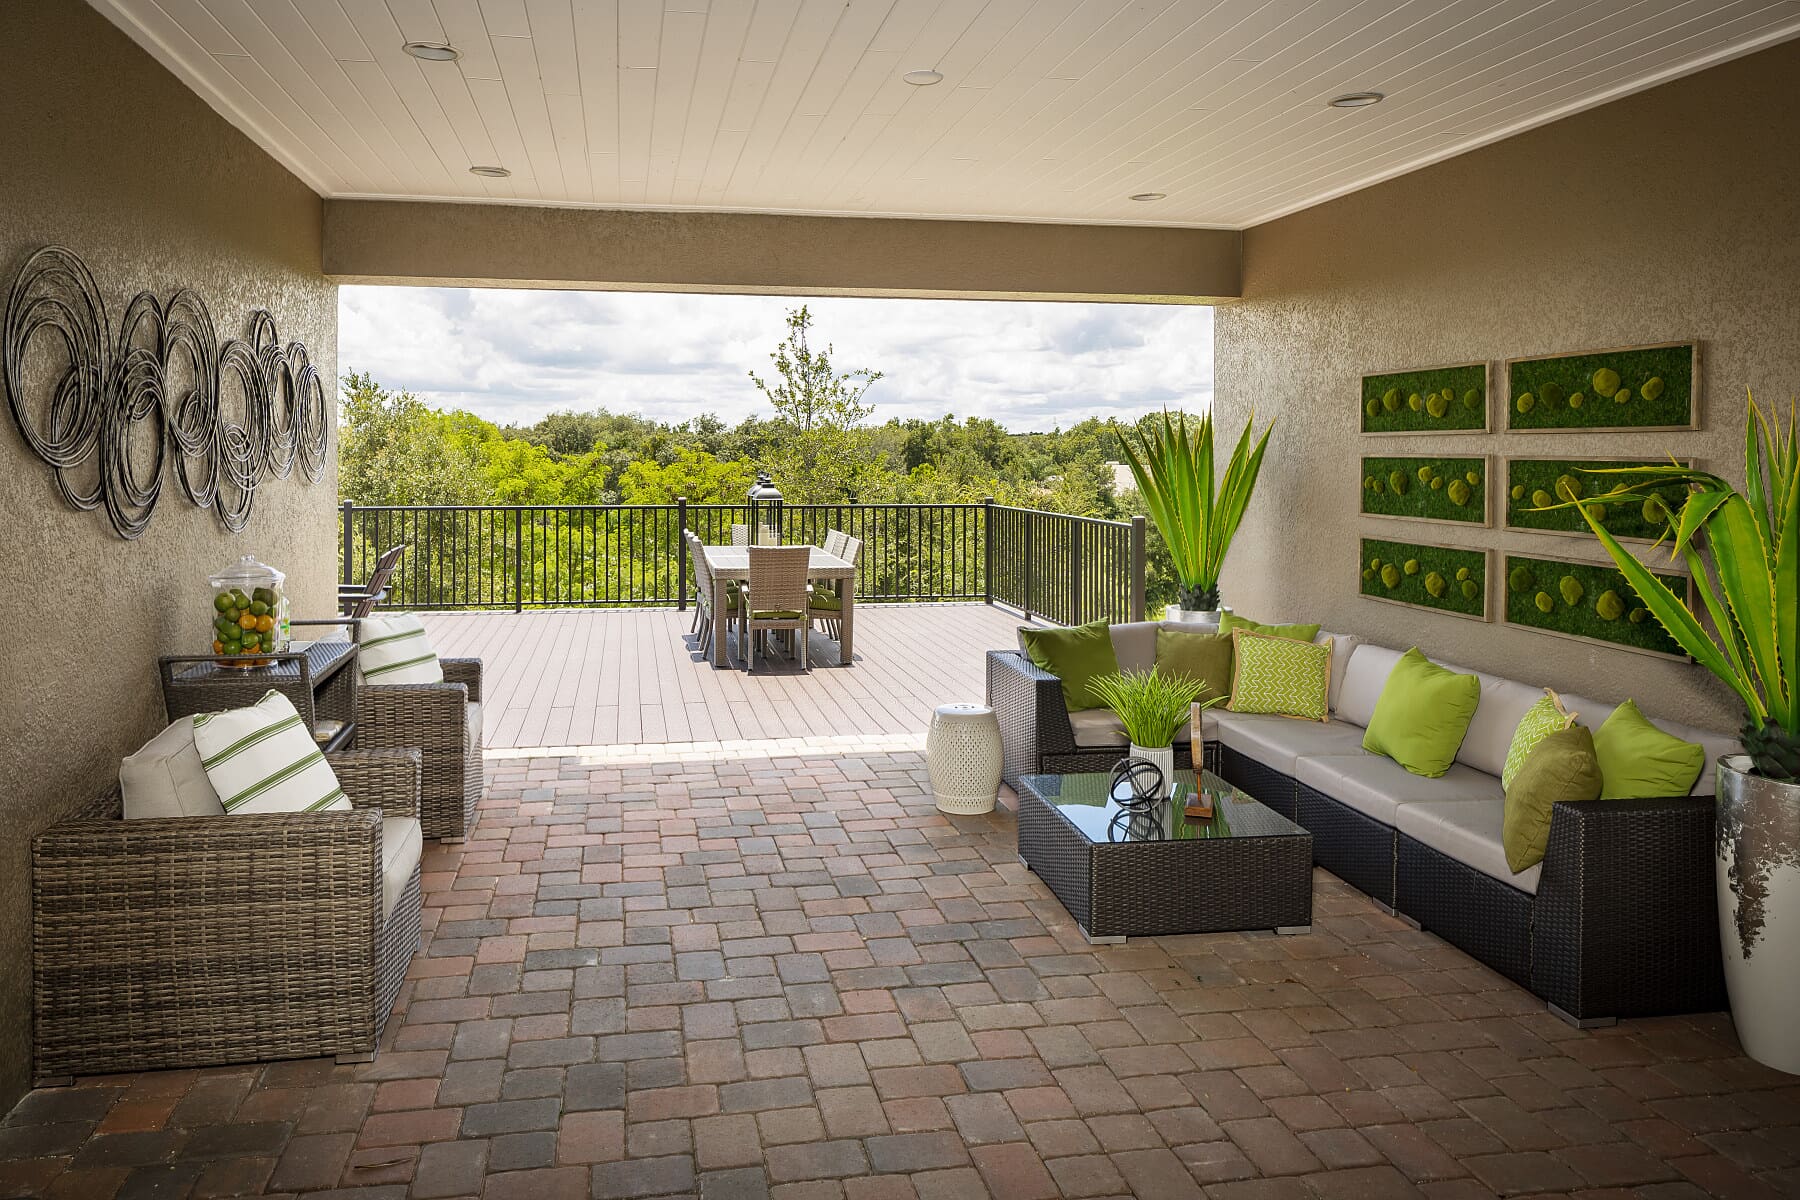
(606, 677)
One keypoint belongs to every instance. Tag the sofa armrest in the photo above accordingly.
(466, 671)
(385, 780)
(1033, 716)
(1625, 921)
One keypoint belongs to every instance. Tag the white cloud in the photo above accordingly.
(513, 356)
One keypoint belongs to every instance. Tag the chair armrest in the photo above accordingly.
(466, 671)
(384, 780)
(1625, 921)
(430, 716)
(1033, 716)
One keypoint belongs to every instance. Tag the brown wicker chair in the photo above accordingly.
(198, 941)
(443, 720)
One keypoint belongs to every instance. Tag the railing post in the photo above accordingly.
(349, 507)
(1074, 571)
(1030, 525)
(518, 559)
(987, 549)
(1137, 568)
(681, 553)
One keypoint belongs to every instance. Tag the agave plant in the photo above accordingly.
(1743, 551)
(1152, 707)
(1174, 471)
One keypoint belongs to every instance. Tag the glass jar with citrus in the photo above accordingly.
(249, 617)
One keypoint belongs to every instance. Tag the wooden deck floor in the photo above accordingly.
(636, 676)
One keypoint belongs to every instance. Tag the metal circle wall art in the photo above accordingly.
(110, 417)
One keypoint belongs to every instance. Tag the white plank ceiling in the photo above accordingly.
(1048, 110)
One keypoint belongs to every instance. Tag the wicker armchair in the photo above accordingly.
(197, 941)
(443, 720)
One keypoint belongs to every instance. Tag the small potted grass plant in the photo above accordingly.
(1152, 707)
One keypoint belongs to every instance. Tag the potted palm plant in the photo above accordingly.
(1743, 551)
(1173, 467)
(1153, 708)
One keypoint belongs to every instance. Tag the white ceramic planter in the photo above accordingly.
(1163, 757)
(1757, 869)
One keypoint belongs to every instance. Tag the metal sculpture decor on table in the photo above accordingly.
(1137, 791)
(109, 422)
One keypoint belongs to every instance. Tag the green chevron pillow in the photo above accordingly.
(1278, 675)
(1542, 719)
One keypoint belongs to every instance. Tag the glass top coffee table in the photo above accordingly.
(1123, 876)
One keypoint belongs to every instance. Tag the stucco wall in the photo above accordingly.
(1669, 215)
(108, 154)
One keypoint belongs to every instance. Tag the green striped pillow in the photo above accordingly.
(262, 759)
(396, 650)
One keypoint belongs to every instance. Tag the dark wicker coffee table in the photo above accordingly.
(1249, 867)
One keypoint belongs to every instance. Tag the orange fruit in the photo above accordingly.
(246, 622)
(265, 624)
(218, 646)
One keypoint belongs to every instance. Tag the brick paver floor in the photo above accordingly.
(791, 977)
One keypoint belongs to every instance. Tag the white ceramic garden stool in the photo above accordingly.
(962, 754)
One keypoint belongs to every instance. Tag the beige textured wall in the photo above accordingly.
(1669, 215)
(477, 245)
(108, 154)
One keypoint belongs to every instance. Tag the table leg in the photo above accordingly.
(847, 624)
(720, 626)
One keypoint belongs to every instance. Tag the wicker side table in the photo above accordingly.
(962, 754)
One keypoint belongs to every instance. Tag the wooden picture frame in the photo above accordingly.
(1512, 393)
(1369, 545)
(1504, 483)
(1451, 375)
(1483, 490)
(1601, 565)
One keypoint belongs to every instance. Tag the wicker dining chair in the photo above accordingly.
(201, 941)
(703, 581)
(834, 542)
(828, 597)
(360, 600)
(776, 597)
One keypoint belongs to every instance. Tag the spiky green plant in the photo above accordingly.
(1175, 475)
(1743, 551)
(1151, 705)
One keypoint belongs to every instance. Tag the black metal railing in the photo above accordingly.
(1065, 569)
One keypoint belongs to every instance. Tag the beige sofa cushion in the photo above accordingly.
(1593, 713)
(1503, 703)
(1096, 728)
(167, 779)
(1377, 786)
(1134, 645)
(1364, 677)
(1342, 646)
(1279, 742)
(1470, 832)
(472, 725)
(402, 841)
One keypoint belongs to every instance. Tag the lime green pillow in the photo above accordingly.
(1638, 760)
(1280, 675)
(1422, 715)
(1231, 623)
(1561, 766)
(1542, 719)
(1077, 656)
(1202, 656)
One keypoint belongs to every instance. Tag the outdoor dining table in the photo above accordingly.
(731, 564)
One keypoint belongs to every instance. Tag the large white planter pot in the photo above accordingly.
(1757, 869)
(1163, 757)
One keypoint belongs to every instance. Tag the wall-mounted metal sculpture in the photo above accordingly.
(108, 417)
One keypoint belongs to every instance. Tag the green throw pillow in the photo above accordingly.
(1562, 766)
(1231, 623)
(1422, 715)
(1542, 719)
(1638, 760)
(1202, 656)
(1279, 675)
(1077, 656)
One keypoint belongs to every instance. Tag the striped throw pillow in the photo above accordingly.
(396, 650)
(262, 759)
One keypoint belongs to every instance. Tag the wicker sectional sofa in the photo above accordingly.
(1619, 920)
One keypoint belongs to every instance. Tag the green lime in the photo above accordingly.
(222, 601)
(259, 608)
(263, 594)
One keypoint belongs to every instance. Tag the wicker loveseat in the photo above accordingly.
(1619, 920)
(196, 941)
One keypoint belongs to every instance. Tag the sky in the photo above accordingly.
(514, 356)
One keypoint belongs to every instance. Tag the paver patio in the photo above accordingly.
(792, 977)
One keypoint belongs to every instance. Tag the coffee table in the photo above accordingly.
(1248, 867)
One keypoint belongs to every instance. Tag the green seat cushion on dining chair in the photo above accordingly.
(1561, 765)
(824, 600)
(774, 614)
(1231, 622)
(1201, 656)
(1638, 761)
(1077, 656)
(1422, 715)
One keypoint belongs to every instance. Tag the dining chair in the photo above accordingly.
(827, 602)
(776, 597)
(834, 542)
(359, 600)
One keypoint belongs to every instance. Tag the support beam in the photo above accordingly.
(496, 245)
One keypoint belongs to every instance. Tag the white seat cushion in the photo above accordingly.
(472, 724)
(1470, 832)
(1096, 728)
(1593, 714)
(1377, 786)
(1279, 742)
(1489, 738)
(167, 779)
(402, 841)
(262, 759)
(1364, 677)
(1342, 646)
(394, 649)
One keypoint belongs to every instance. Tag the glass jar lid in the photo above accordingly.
(247, 573)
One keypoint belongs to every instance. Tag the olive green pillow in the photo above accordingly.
(1562, 766)
(1639, 761)
(1422, 715)
(1077, 656)
(1231, 622)
(1202, 656)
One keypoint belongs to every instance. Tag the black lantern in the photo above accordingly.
(765, 508)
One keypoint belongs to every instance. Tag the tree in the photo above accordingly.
(392, 449)
(821, 450)
(694, 474)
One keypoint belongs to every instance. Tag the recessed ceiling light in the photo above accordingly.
(1358, 99)
(432, 51)
(1144, 196)
(923, 78)
(490, 172)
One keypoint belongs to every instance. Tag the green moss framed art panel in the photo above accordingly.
(1447, 579)
(1588, 601)
(1529, 485)
(1635, 387)
(1428, 400)
(1426, 488)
